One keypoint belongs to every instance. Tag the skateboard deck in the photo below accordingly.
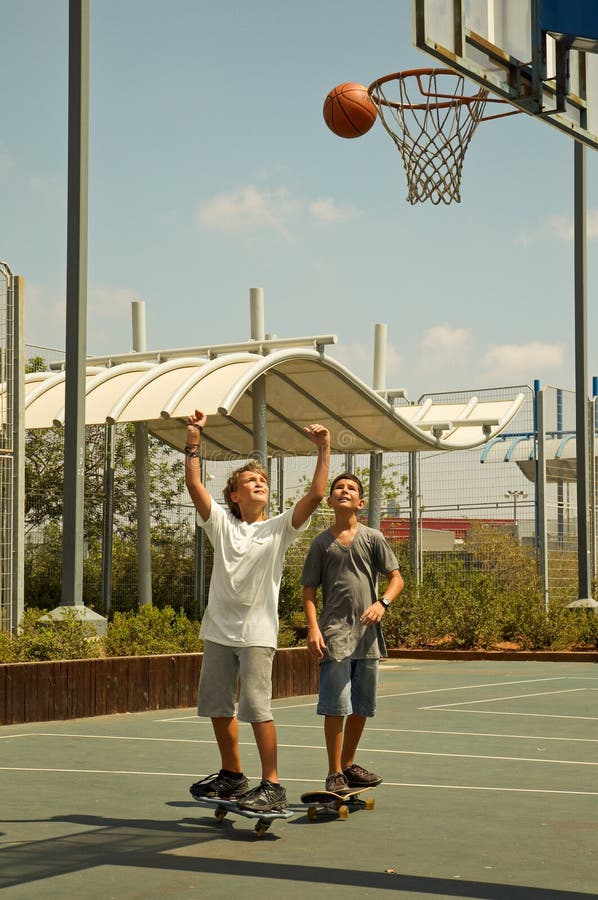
(263, 819)
(328, 801)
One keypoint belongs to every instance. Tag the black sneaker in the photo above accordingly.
(266, 797)
(358, 777)
(337, 783)
(225, 786)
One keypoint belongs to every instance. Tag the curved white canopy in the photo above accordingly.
(301, 387)
(560, 454)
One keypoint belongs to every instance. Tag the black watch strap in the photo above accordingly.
(385, 603)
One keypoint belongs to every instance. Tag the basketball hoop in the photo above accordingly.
(432, 130)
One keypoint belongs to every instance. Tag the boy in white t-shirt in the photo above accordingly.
(240, 624)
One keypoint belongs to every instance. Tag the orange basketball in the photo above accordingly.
(348, 110)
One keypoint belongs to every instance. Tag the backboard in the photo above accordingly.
(540, 55)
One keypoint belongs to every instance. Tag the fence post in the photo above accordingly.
(260, 436)
(108, 518)
(144, 535)
(414, 533)
(376, 458)
(542, 546)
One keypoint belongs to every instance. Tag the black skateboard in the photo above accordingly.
(263, 819)
(339, 804)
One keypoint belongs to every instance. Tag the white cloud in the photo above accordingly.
(251, 208)
(592, 224)
(443, 346)
(560, 227)
(514, 362)
(248, 208)
(326, 210)
(104, 301)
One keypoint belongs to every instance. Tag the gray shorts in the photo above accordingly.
(228, 671)
(348, 686)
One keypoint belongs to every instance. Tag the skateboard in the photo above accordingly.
(263, 819)
(328, 801)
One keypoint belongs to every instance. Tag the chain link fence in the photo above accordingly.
(6, 451)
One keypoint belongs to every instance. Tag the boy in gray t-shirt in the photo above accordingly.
(345, 561)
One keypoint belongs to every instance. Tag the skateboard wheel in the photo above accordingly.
(312, 813)
(260, 829)
(343, 812)
(220, 814)
(369, 803)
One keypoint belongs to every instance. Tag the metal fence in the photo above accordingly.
(6, 459)
(431, 506)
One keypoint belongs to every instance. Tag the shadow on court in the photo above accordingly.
(141, 844)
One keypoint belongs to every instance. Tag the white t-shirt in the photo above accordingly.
(242, 608)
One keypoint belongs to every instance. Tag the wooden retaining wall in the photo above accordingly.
(72, 689)
(47, 691)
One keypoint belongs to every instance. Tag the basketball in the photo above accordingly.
(348, 110)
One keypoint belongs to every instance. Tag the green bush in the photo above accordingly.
(65, 638)
(486, 596)
(151, 630)
(483, 598)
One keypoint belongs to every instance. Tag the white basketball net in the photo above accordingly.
(431, 128)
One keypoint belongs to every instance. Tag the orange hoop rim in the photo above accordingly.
(443, 101)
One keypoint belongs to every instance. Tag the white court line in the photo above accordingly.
(483, 734)
(500, 699)
(318, 727)
(387, 784)
(494, 712)
(467, 687)
(318, 747)
(444, 690)
(468, 787)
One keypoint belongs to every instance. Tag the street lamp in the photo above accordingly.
(515, 496)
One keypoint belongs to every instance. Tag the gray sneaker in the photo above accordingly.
(266, 797)
(337, 783)
(358, 777)
(220, 785)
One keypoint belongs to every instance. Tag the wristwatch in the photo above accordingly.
(385, 603)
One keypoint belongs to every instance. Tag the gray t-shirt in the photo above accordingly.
(348, 576)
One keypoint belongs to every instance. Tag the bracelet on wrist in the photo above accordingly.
(192, 452)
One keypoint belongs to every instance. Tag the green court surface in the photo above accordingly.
(490, 791)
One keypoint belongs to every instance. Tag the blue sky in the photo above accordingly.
(211, 171)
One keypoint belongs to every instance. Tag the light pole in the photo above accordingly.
(515, 496)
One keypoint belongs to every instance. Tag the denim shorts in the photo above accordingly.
(348, 686)
(222, 668)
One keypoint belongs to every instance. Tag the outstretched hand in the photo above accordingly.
(198, 419)
(318, 434)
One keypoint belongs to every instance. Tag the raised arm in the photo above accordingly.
(317, 490)
(198, 493)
